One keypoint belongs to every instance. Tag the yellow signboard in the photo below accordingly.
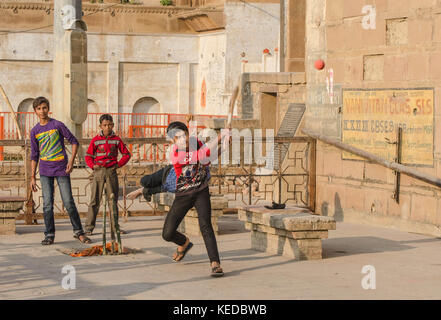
(370, 117)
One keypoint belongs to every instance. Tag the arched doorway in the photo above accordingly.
(92, 106)
(142, 107)
(26, 117)
(146, 122)
(90, 126)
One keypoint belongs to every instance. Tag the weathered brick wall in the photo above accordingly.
(403, 51)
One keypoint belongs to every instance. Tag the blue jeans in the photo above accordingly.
(47, 186)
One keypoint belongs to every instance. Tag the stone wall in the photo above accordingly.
(137, 52)
(403, 51)
(122, 69)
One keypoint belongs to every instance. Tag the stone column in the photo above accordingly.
(184, 87)
(69, 103)
(112, 86)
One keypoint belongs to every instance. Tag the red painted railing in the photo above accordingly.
(127, 125)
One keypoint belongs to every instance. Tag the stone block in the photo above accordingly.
(354, 199)
(10, 206)
(190, 226)
(398, 6)
(9, 214)
(395, 68)
(290, 219)
(166, 198)
(352, 8)
(423, 208)
(420, 31)
(373, 66)
(435, 66)
(437, 28)
(7, 228)
(352, 169)
(353, 69)
(214, 213)
(401, 209)
(335, 37)
(338, 66)
(397, 31)
(270, 77)
(332, 165)
(289, 234)
(306, 249)
(374, 38)
(418, 66)
(376, 200)
(298, 77)
(335, 12)
(218, 202)
(377, 173)
(9, 210)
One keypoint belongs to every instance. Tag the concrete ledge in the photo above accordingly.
(293, 232)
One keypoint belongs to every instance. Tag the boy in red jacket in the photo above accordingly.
(102, 158)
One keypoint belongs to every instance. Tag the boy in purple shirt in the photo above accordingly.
(47, 146)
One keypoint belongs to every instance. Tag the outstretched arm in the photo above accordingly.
(135, 194)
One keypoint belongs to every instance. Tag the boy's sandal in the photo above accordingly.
(47, 241)
(217, 271)
(181, 254)
(84, 240)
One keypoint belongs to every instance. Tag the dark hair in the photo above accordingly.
(107, 117)
(174, 127)
(40, 100)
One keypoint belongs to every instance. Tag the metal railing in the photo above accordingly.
(292, 182)
(127, 125)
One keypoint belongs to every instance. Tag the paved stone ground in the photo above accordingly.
(408, 266)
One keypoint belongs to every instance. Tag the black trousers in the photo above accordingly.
(201, 201)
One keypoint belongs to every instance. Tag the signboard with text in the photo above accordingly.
(371, 116)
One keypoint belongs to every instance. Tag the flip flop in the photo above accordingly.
(276, 206)
(85, 239)
(217, 271)
(47, 241)
(181, 254)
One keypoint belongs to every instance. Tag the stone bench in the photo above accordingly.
(9, 209)
(190, 223)
(293, 232)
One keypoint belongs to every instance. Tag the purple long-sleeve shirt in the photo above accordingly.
(47, 147)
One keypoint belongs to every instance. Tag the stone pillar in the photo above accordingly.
(9, 210)
(184, 87)
(295, 36)
(69, 103)
(112, 86)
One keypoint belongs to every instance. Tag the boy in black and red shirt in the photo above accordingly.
(190, 160)
(102, 158)
(188, 178)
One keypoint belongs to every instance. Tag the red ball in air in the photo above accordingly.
(319, 64)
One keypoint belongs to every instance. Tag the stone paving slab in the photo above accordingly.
(408, 266)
